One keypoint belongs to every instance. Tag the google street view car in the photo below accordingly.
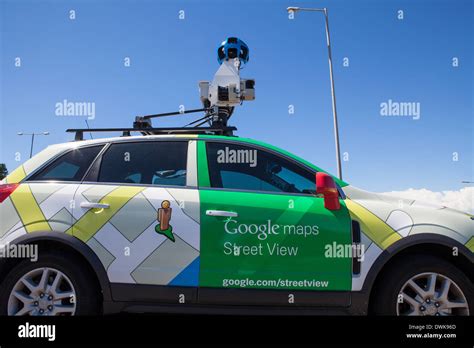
(195, 219)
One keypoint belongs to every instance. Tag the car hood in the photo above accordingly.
(411, 216)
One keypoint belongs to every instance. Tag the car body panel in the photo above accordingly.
(277, 241)
(386, 220)
(125, 234)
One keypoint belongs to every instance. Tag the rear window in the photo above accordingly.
(69, 167)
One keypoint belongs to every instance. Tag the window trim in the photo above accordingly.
(137, 185)
(271, 151)
(191, 164)
(96, 162)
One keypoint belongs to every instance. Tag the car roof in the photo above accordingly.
(81, 143)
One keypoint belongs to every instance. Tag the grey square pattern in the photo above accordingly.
(134, 218)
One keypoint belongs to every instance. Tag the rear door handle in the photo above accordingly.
(221, 213)
(89, 205)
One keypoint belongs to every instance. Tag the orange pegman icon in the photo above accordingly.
(164, 217)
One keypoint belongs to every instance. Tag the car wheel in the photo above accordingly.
(55, 285)
(424, 285)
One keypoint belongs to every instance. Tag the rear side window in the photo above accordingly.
(70, 167)
(149, 163)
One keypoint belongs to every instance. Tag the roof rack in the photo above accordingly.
(154, 131)
(142, 124)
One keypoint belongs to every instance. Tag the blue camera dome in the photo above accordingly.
(233, 48)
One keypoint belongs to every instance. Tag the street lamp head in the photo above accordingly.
(292, 9)
(45, 133)
(306, 9)
(19, 133)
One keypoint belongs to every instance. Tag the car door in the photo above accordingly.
(139, 212)
(263, 227)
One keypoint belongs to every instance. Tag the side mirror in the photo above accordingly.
(326, 187)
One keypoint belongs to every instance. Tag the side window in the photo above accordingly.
(71, 166)
(150, 163)
(240, 167)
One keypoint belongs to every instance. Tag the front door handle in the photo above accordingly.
(89, 205)
(221, 213)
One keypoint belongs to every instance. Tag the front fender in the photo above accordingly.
(410, 241)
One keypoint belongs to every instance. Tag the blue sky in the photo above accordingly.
(407, 60)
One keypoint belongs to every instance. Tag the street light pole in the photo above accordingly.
(32, 139)
(331, 76)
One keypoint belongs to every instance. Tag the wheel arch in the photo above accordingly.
(424, 244)
(65, 242)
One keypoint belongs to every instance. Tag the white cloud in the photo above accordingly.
(461, 200)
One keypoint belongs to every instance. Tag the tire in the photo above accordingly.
(77, 289)
(402, 277)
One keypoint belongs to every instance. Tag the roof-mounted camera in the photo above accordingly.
(219, 97)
